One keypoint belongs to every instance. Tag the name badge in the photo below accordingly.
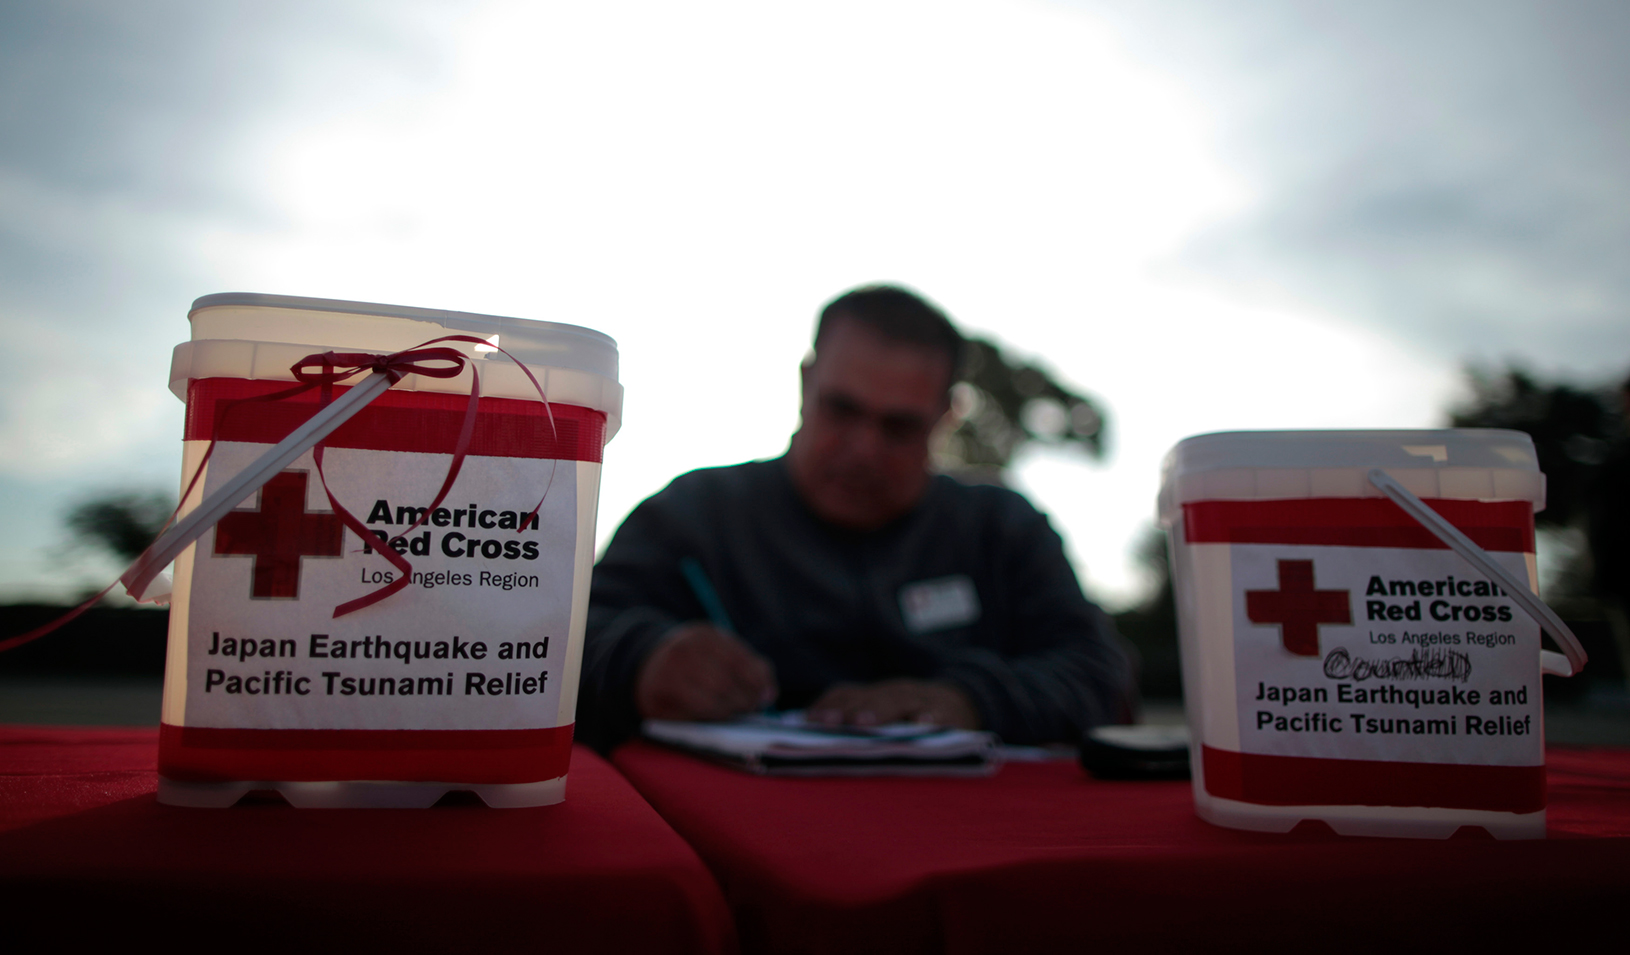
(938, 604)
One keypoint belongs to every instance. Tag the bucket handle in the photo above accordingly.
(1572, 658)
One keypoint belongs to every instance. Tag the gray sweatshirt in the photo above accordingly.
(971, 587)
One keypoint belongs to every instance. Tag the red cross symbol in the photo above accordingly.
(279, 534)
(1297, 608)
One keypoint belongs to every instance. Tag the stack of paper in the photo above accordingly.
(785, 744)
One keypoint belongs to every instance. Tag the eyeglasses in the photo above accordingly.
(897, 428)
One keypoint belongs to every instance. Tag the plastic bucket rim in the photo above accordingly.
(383, 310)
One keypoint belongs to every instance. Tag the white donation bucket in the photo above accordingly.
(1340, 662)
(464, 680)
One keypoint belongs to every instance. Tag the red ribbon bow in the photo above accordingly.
(338, 366)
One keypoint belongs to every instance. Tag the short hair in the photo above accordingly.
(898, 315)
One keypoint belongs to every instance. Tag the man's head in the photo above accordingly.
(878, 383)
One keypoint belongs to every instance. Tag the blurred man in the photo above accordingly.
(856, 583)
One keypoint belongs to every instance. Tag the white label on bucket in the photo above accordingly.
(1373, 653)
(479, 639)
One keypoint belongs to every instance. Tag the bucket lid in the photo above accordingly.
(535, 342)
(1478, 464)
(250, 335)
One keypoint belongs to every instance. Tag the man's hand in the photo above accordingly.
(894, 701)
(699, 672)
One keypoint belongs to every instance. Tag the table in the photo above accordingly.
(1043, 858)
(87, 855)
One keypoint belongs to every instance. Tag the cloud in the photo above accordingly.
(160, 98)
(1455, 173)
(135, 134)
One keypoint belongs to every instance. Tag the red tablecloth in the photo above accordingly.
(87, 855)
(1043, 858)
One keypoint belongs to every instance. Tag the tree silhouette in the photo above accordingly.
(121, 523)
(1582, 439)
(1006, 404)
(1151, 626)
(1573, 430)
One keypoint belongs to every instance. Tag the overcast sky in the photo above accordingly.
(1258, 214)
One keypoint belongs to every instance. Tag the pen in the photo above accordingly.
(708, 597)
(705, 594)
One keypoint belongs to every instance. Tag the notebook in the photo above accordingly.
(783, 744)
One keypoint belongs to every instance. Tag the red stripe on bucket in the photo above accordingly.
(1356, 522)
(1305, 781)
(210, 754)
(415, 421)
